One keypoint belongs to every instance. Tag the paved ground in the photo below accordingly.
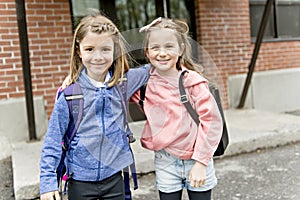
(267, 174)
(6, 177)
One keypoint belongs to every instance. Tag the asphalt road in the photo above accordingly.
(267, 174)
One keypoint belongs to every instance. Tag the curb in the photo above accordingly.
(6, 148)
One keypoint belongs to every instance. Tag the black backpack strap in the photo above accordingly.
(215, 92)
(225, 139)
(142, 95)
(185, 101)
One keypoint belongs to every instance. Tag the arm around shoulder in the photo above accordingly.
(137, 77)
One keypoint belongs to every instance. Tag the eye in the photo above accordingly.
(169, 46)
(88, 49)
(106, 49)
(154, 48)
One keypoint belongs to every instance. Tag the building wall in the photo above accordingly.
(224, 31)
(49, 37)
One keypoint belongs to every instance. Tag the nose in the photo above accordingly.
(162, 52)
(97, 55)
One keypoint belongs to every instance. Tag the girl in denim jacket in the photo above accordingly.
(100, 149)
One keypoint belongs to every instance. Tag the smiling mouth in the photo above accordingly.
(163, 61)
(98, 63)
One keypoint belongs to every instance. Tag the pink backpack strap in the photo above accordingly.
(58, 92)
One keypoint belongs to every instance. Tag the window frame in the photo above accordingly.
(274, 14)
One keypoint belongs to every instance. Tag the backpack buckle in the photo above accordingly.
(131, 139)
(141, 102)
(64, 146)
(184, 98)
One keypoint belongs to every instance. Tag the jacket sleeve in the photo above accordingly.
(136, 77)
(51, 149)
(135, 97)
(211, 126)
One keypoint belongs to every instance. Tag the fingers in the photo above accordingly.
(50, 196)
(56, 194)
(47, 196)
(196, 184)
(197, 176)
(197, 181)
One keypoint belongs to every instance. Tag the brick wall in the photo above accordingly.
(224, 31)
(49, 37)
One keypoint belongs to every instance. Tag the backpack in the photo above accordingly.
(74, 97)
(183, 98)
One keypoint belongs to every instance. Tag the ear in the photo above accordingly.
(79, 53)
(146, 52)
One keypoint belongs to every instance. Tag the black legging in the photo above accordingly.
(111, 188)
(205, 195)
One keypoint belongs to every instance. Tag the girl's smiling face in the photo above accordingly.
(163, 51)
(97, 54)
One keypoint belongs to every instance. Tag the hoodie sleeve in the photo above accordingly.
(135, 97)
(51, 149)
(136, 77)
(211, 125)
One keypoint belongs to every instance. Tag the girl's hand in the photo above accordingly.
(197, 175)
(50, 196)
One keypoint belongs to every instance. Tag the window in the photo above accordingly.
(283, 22)
(80, 8)
(129, 14)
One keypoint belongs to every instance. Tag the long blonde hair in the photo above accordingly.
(99, 24)
(181, 32)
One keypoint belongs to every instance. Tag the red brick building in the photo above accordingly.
(225, 28)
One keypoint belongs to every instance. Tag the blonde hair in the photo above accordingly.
(181, 32)
(99, 24)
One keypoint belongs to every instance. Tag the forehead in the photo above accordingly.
(95, 39)
(162, 36)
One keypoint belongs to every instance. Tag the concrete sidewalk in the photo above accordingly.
(248, 130)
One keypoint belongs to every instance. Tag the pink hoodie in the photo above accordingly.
(169, 126)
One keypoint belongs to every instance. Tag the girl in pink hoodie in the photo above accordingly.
(183, 150)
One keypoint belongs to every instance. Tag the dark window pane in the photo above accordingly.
(289, 20)
(256, 14)
(134, 13)
(179, 10)
(80, 9)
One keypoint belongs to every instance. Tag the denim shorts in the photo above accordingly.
(172, 174)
